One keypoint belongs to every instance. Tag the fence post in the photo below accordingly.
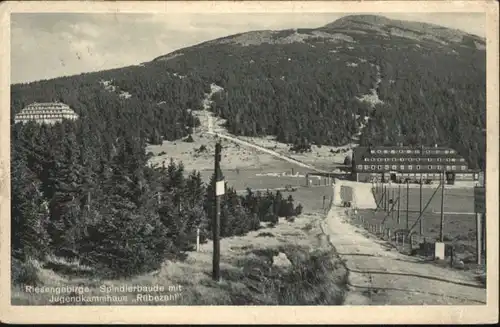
(399, 203)
(197, 239)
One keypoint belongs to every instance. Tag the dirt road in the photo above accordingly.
(379, 275)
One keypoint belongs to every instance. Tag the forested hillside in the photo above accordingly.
(83, 191)
(314, 85)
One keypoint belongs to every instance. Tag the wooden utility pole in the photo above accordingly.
(399, 203)
(407, 203)
(218, 191)
(421, 228)
(441, 224)
(392, 204)
(479, 235)
(384, 194)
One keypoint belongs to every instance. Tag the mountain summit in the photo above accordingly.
(409, 29)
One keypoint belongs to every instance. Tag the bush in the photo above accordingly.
(347, 161)
(298, 209)
(125, 245)
(24, 273)
(189, 139)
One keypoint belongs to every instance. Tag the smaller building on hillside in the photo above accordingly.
(406, 163)
(45, 113)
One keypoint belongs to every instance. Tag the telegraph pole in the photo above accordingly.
(421, 228)
(407, 203)
(441, 225)
(399, 202)
(392, 204)
(218, 191)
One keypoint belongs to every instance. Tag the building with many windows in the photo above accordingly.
(45, 113)
(406, 163)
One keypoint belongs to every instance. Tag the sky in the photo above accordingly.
(48, 45)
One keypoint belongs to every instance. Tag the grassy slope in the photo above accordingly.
(248, 276)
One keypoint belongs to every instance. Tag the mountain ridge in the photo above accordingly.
(352, 23)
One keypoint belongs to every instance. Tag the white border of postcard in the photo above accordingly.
(255, 314)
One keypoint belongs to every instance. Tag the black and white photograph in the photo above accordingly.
(251, 158)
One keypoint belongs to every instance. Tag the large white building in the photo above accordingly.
(45, 113)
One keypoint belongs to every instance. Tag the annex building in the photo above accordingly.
(407, 163)
(45, 113)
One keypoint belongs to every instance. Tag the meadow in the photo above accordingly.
(459, 223)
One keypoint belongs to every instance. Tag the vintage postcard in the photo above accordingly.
(249, 162)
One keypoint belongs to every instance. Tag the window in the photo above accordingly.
(373, 167)
(439, 159)
(447, 159)
(427, 151)
(418, 167)
(446, 151)
(394, 159)
(429, 159)
(367, 167)
(430, 167)
(453, 167)
(448, 167)
(393, 151)
(401, 151)
(463, 167)
(439, 167)
(360, 167)
(386, 167)
(408, 151)
(410, 159)
(379, 159)
(417, 159)
(452, 151)
(372, 151)
(386, 159)
(410, 167)
(379, 151)
(394, 167)
(417, 151)
(437, 152)
(402, 167)
(386, 151)
(462, 159)
(379, 167)
(453, 159)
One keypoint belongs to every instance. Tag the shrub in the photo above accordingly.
(25, 273)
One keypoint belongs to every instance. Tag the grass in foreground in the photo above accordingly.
(249, 277)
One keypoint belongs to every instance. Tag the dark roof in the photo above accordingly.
(359, 153)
